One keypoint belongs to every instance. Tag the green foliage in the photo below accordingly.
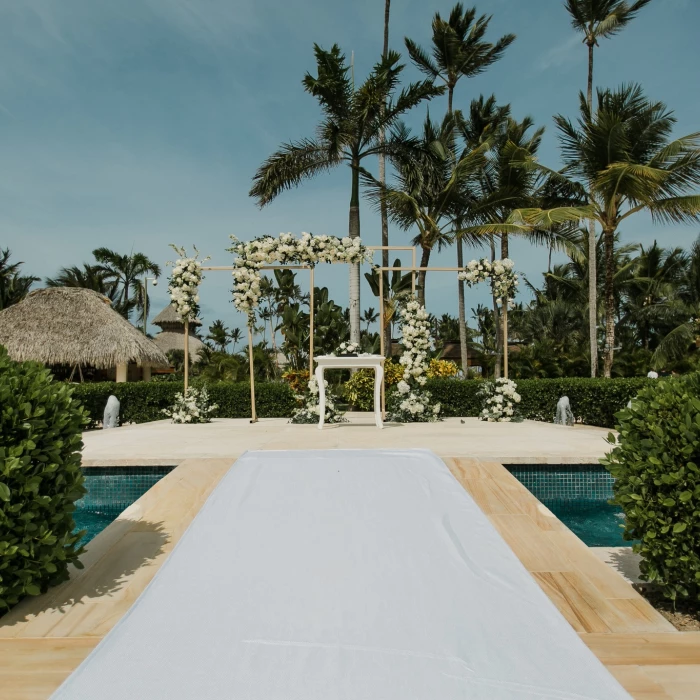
(359, 389)
(143, 402)
(657, 482)
(40, 479)
(593, 401)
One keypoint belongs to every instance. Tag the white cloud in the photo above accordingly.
(565, 53)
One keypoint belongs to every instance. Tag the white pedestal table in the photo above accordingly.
(358, 362)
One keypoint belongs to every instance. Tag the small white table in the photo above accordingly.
(333, 362)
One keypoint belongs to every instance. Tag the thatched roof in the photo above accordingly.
(169, 316)
(167, 341)
(71, 326)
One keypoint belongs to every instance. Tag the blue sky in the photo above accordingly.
(137, 123)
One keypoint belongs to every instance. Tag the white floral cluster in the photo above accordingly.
(503, 279)
(286, 248)
(184, 282)
(346, 348)
(311, 410)
(415, 338)
(500, 399)
(194, 407)
(410, 402)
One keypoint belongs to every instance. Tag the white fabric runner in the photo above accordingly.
(341, 575)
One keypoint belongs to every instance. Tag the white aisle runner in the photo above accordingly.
(341, 575)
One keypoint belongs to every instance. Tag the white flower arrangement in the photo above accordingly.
(410, 402)
(500, 398)
(346, 348)
(310, 411)
(193, 408)
(305, 250)
(184, 282)
(503, 278)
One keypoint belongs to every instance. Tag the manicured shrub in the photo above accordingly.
(142, 402)
(593, 401)
(40, 479)
(656, 465)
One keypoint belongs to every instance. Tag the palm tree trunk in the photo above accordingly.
(497, 324)
(609, 240)
(424, 260)
(382, 178)
(592, 259)
(354, 232)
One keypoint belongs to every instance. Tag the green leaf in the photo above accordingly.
(679, 527)
(4, 492)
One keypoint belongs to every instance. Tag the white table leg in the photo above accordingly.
(378, 377)
(321, 397)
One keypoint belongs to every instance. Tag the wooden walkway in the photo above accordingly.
(45, 638)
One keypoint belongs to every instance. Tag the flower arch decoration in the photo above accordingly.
(286, 248)
(504, 280)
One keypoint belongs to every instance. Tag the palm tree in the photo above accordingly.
(354, 119)
(13, 285)
(395, 288)
(219, 334)
(597, 19)
(125, 271)
(431, 190)
(624, 156)
(235, 336)
(458, 50)
(369, 317)
(384, 215)
(88, 277)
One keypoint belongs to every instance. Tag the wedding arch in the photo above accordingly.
(304, 253)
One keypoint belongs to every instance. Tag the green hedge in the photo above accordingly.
(593, 401)
(142, 402)
(40, 480)
(656, 465)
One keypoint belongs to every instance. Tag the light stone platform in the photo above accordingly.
(162, 443)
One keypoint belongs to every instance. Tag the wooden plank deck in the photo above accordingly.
(45, 638)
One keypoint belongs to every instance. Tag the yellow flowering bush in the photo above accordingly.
(442, 369)
(359, 389)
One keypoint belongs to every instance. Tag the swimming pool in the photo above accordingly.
(578, 495)
(110, 490)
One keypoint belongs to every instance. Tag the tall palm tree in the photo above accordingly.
(384, 215)
(369, 317)
(458, 50)
(432, 187)
(624, 155)
(125, 271)
(396, 287)
(597, 19)
(353, 120)
(14, 286)
(219, 334)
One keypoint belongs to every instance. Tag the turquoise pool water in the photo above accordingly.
(110, 490)
(578, 495)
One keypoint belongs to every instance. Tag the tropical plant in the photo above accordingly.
(624, 154)
(125, 272)
(655, 462)
(219, 335)
(597, 19)
(13, 285)
(350, 132)
(40, 479)
(369, 317)
(458, 50)
(396, 286)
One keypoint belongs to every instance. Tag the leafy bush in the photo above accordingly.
(40, 479)
(657, 482)
(359, 389)
(442, 368)
(142, 402)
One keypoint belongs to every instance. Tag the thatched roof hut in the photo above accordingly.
(74, 326)
(172, 337)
